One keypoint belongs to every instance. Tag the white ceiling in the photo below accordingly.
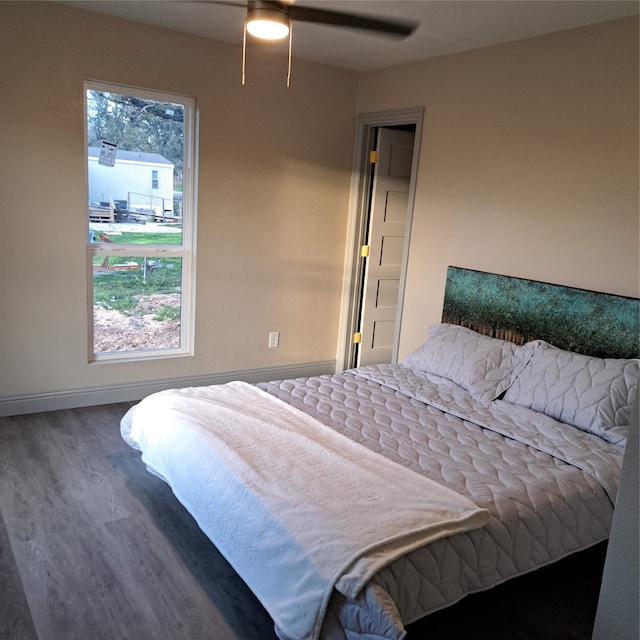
(446, 26)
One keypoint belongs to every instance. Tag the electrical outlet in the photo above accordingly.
(274, 339)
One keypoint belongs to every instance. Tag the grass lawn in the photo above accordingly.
(121, 289)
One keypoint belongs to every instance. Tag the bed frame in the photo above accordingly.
(519, 310)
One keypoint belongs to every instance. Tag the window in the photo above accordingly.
(141, 236)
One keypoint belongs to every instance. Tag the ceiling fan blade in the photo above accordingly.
(395, 28)
(353, 21)
(282, 5)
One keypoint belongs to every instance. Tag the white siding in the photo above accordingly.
(132, 181)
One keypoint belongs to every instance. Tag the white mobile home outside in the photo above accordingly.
(143, 180)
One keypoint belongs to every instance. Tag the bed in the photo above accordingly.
(354, 504)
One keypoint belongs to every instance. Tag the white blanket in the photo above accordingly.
(295, 507)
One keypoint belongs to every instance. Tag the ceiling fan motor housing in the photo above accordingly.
(268, 20)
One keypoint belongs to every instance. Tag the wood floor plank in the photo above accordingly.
(58, 604)
(97, 535)
(193, 552)
(51, 482)
(160, 587)
(15, 618)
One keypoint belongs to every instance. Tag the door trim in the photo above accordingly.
(358, 201)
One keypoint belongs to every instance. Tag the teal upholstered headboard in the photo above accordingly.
(516, 309)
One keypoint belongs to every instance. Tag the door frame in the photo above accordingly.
(358, 202)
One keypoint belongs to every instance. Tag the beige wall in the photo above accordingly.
(275, 169)
(528, 167)
(528, 163)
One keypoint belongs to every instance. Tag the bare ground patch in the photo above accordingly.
(136, 328)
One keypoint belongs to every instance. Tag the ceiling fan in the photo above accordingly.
(272, 20)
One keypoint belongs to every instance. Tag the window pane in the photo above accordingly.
(136, 303)
(135, 160)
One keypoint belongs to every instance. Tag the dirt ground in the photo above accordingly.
(136, 329)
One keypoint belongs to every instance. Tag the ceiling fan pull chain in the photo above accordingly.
(244, 50)
(289, 67)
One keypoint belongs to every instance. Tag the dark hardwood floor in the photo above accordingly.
(92, 547)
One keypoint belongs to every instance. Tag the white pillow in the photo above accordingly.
(593, 394)
(482, 365)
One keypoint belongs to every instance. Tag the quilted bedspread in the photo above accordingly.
(549, 487)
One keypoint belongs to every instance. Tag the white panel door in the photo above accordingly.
(387, 223)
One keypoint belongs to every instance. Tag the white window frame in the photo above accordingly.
(186, 251)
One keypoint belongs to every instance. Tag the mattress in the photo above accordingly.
(549, 487)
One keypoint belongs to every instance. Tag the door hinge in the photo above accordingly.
(373, 157)
(357, 337)
(364, 251)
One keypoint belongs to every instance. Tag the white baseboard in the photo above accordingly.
(55, 400)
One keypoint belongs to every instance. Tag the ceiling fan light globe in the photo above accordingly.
(267, 24)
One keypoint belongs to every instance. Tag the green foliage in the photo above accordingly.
(167, 313)
(121, 290)
(136, 124)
